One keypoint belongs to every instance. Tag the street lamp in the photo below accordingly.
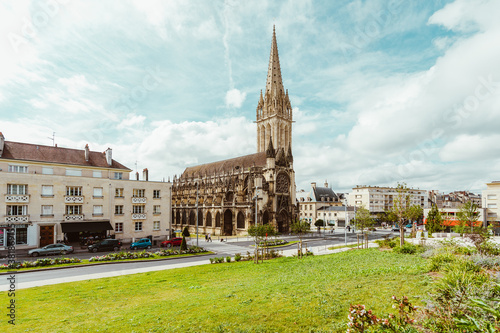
(345, 222)
(197, 214)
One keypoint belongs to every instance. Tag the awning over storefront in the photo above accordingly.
(85, 226)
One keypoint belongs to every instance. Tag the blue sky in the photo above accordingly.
(382, 91)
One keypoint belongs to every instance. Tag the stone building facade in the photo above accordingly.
(224, 197)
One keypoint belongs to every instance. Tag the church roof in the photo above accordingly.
(237, 164)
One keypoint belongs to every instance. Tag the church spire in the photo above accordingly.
(274, 84)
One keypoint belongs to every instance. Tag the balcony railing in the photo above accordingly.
(73, 199)
(17, 218)
(138, 200)
(73, 217)
(25, 198)
(138, 216)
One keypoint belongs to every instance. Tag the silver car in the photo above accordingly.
(51, 249)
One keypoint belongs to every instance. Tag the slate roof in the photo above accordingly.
(237, 163)
(37, 153)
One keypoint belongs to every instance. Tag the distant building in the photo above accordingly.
(491, 203)
(453, 199)
(316, 198)
(337, 216)
(378, 199)
(54, 194)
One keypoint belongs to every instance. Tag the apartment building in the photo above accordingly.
(316, 197)
(453, 199)
(56, 194)
(491, 203)
(378, 199)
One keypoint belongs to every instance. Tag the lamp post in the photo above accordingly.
(346, 219)
(197, 214)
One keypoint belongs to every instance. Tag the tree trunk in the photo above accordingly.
(401, 235)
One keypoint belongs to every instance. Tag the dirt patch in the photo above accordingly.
(435, 275)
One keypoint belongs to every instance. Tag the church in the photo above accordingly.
(227, 197)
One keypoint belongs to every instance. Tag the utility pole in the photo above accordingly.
(197, 213)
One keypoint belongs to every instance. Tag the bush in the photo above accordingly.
(228, 259)
(237, 257)
(388, 243)
(440, 260)
(409, 248)
(488, 262)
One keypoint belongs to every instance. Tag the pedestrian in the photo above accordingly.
(209, 238)
(206, 238)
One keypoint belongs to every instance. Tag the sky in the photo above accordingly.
(383, 91)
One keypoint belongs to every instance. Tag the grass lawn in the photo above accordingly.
(281, 295)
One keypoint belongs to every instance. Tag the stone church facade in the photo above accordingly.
(226, 196)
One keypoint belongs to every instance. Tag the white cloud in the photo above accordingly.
(132, 121)
(235, 98)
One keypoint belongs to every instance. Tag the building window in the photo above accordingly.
(97, 210)
(118, 175)
(138, 226)
(17, 210)
(156, 209)
(138, 193)
(74, 172)
(156, 194)
(47, 210)
(492, 196)
(138, 209)
(18, 168)
(119, 227)
(97, 174)
(310, 207)
(47, 171)
(119, 193)
(97, 192)
(119, 210)
(47, 191)
(17, 189)
(74, 191)
(156, 225)
(492, 205)
(73, 209)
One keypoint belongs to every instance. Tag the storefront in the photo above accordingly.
(85, 232)
(20, 230)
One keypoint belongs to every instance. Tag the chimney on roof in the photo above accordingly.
(87, 152)
(137, 176)
(313, 185)
(109, 158)
(326, 183)
(145, 175)
(2, 143)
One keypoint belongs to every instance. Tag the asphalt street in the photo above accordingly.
(317, 243)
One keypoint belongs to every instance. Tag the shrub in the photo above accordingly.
(488, 262)
(408, 248)
(237, 257)
(438, 261)
(228, 259)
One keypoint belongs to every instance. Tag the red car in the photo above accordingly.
(172, 242)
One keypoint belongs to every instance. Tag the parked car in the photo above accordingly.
(395, 228)
(143, 243)
(51, 249)
(409, 226)
(176, 241)
(105, 245)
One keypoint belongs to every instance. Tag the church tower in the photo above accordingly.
(274, 111)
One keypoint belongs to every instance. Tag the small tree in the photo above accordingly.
(300, 227)
(434, 220)
(319, 223)
(363, 219)
(467, 217)
(185, 233)
(400, 208)
(260, 232)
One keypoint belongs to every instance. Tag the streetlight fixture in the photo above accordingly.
(197, 214)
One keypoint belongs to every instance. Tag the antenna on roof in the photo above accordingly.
(53, 138)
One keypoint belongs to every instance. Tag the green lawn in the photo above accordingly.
(281, 295)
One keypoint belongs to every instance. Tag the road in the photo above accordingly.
(28, 279)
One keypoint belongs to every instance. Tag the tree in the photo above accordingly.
(185, 233)
(467, 217)
(260, 232)
(363, 219)
(401, 209)
(300, 227)
(319, 223)
(415, 213)
(434, 220)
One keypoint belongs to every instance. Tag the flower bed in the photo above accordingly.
(40, 263)
(143, 254)
(191, 250)
(275, 242)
